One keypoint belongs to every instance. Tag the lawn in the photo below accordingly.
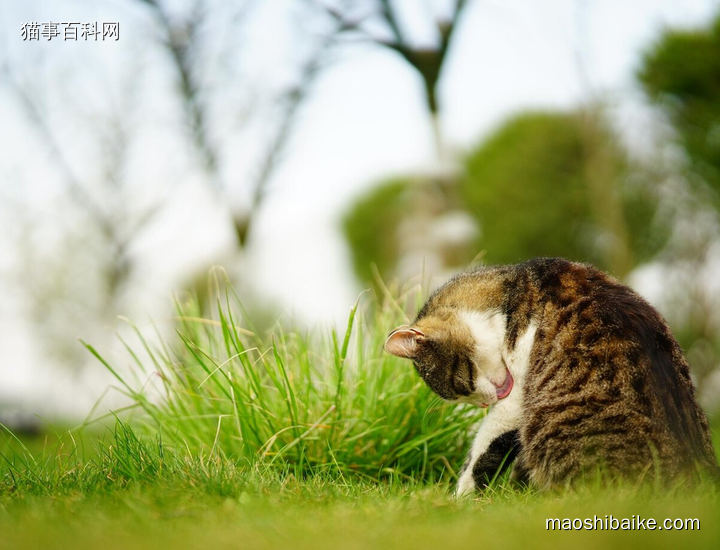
(346, 514)
(293, 439)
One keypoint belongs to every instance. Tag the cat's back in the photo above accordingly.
(607, 385)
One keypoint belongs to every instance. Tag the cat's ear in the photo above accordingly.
(403, 342)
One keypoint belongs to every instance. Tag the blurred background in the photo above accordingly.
(315, 148)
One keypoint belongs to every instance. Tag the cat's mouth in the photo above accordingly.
(501, 390)
(504, 389)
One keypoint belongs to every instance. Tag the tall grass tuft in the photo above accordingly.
(290, 402)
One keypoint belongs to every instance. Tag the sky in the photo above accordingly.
(364, 121)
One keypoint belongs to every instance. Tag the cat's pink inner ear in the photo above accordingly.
(403, 342)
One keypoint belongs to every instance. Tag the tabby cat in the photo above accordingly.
(582, 374)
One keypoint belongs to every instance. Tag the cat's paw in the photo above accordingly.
(465, 486)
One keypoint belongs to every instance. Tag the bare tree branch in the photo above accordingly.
(117, 227)
(180, 39)
(34, 113)
(447, 28)
(181, 43)
(389, 16)
(427, 61)
(293, 99)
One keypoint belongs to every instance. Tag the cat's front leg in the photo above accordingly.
(494, 461)
(500, 455)
(495, 441)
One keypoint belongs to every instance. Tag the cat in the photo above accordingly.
(582, 376)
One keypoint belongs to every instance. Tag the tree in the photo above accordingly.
(182, 38)
(680, 74)
(559, 184)
(88, 276)
(381, 22)
(80, 280)
(543, 184)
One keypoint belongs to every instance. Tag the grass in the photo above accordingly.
(292, 402)
(233, 438)
(320, 514)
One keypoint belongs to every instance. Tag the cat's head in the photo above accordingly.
(458, 354)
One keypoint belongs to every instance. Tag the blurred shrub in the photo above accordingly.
(526, 186)
(681, 74)
(561, 184)
(370, 227)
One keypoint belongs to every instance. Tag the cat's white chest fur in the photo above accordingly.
(506, 415)
(488, 333)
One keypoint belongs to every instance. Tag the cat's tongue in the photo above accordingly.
(506, 387)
